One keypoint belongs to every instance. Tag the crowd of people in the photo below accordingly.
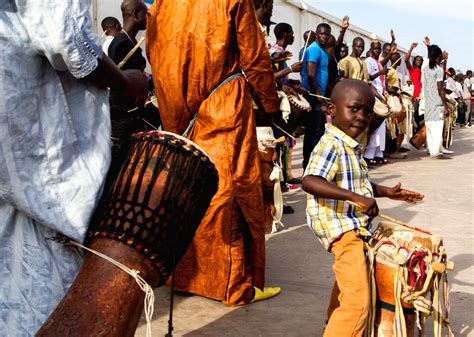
(216, 79)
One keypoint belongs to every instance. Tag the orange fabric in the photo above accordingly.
(192, 47)
(349, 305)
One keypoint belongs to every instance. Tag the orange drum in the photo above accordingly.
(419, 138)
(405, 263)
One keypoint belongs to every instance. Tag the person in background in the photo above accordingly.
(309, 36)
(352, 66)
(467, 90)
(128, 115)
(314, 79)
(344, 51)
(436, 106)
(111, 27)
(376, 144)
(415, 76)
(333, 49)
(396, 130)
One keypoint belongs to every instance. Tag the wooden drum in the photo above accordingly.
(145, 221)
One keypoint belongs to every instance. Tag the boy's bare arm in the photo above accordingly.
(397, 193)
(321, 188)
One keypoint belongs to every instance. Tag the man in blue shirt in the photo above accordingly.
(314, 79)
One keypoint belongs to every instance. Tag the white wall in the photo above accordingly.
(289, 11)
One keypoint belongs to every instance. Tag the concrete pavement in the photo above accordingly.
(297, 262)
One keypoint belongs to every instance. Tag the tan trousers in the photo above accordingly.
(350, 299)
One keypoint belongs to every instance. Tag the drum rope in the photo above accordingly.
(149, 301)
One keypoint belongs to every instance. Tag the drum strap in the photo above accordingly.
(277, 176)
(193, 120)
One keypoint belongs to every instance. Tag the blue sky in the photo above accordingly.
(449, 24)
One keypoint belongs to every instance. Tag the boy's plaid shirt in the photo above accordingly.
(338, 159)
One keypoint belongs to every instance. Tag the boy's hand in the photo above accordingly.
(398, 193)
(366, 205)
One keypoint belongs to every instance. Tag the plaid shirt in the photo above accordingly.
(338, 159)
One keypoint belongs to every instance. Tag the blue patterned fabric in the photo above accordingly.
(54, 152)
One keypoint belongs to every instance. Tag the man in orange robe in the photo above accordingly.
(194, 49)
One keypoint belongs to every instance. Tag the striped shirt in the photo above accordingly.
(338, 159)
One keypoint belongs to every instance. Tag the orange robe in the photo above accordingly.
(192, 47)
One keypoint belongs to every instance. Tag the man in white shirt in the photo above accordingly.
(467, 87)
(54, 150)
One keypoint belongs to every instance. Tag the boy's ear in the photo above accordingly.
(331, 110)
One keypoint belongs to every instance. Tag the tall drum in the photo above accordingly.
(146, 222)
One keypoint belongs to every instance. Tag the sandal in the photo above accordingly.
(371, 162)
(382, 161)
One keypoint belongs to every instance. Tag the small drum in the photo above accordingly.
(396, 108)
(299, 106)
(419, 138)
(148, 219)
(381, 111)
(406, 263)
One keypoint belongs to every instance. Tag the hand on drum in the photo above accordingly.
(398, 193)
(289, 90)
(366, 205)
(283, 56)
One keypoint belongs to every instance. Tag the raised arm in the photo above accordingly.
(344, 26)
(408, 55)
(427, 43)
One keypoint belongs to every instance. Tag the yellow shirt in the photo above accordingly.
(392, 78)
(354, 68)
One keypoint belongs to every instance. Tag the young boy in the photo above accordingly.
(337, 172)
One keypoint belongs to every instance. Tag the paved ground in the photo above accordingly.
(297, 263)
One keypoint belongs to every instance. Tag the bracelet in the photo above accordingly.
(291, 69)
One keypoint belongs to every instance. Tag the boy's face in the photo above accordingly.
(352, 111)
